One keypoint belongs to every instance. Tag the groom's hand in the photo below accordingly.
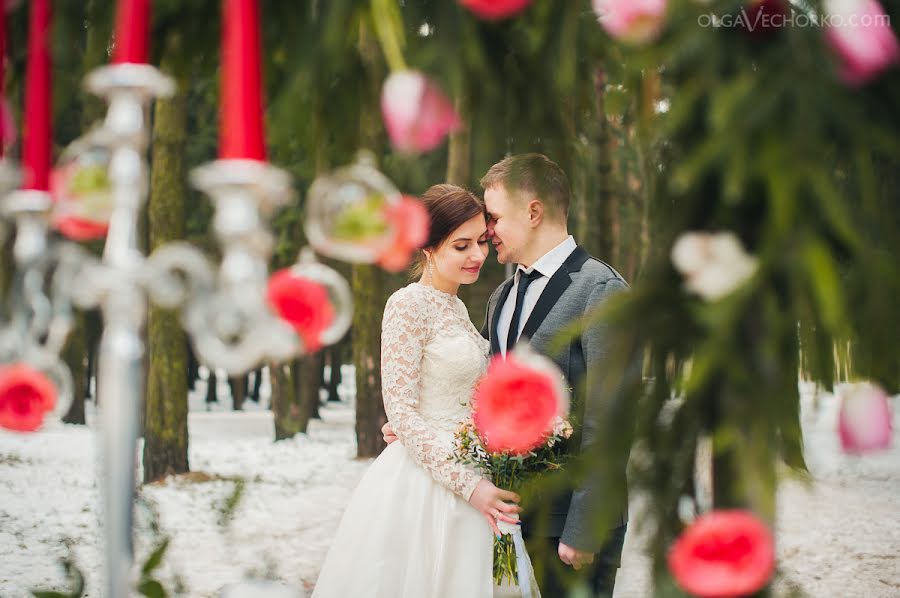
(574, 557)
(388, 432)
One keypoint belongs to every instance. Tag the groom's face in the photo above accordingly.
(508, 224)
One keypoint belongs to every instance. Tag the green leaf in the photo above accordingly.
(152, 589)
(155, 558)
(823, 279)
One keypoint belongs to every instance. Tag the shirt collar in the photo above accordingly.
(553, 260)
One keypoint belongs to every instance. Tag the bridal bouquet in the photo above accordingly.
(518, 423)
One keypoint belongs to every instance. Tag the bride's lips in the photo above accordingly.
(474, 270)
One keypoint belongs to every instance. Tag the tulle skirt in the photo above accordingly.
(404, 535)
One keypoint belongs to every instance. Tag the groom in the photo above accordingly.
(555, 283)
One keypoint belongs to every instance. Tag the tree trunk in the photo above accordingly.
(309, 376)
(286, 409)
(166, 416)
(257, 381)
(369, 282)
(604, 217)
(459, 150)
(238, 387)
(334, 355)
(74, 354)
(212, 383)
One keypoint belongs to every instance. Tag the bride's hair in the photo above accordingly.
(448, 207)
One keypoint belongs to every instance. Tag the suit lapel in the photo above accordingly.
(495, 317)
(557, 285)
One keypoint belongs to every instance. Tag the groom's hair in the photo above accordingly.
(532, 176)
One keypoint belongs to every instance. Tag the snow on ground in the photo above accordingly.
(837, 537)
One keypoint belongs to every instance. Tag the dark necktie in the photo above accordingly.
(524, 281)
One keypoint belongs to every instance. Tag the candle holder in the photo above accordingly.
(37, 313)
(226, 313)
(118, 287)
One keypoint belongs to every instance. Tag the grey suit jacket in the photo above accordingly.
(579, 285)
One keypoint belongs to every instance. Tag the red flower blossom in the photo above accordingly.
(515, 405)
(81, 229)
(723, 554)
(26, 396)
(494, 10)
(411, 221)
(303, 303)
(82, 200)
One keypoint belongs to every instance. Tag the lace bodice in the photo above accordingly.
(431, 357)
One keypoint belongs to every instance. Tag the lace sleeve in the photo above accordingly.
(404, 332)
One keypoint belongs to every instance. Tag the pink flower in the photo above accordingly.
(303, 303)
(631, 21)
(494, 10)
(723, 554)
(515, 405)
(864, 421)
(26, 396)
(860, 33)
(411, 222)
(417, 115)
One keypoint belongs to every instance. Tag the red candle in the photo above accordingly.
(36, 133)
(132, 31)
(241, 134)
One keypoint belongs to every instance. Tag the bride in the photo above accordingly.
(418, 525)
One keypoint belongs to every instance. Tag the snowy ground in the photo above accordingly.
(838, 537)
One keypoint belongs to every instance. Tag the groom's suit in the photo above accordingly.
(578, 285)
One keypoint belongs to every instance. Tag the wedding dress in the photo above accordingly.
(408, 530)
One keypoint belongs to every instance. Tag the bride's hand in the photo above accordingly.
(494, 504)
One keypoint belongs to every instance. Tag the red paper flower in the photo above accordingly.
(26, 396)
(82, 200)
(632, 21)
(80, 229)
(860, 33)
(723, 554)
(864, 420)
(494, 10)
(417, 114)
(411, 222)
(515, 405)
(303, 303)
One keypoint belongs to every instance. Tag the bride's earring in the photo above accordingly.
(428, 270)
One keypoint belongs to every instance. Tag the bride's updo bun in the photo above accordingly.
(449, 207)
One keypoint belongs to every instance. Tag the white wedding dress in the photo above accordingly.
(408, 530)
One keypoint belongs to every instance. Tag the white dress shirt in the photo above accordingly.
(547, 265)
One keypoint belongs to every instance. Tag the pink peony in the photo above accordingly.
(303, 303)
(417, 115)
(723, 554)
(631, 21)
(515, 405)
(495, 10)
(26, 396)
(860, 33)
(864, 421)
(411, 222)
